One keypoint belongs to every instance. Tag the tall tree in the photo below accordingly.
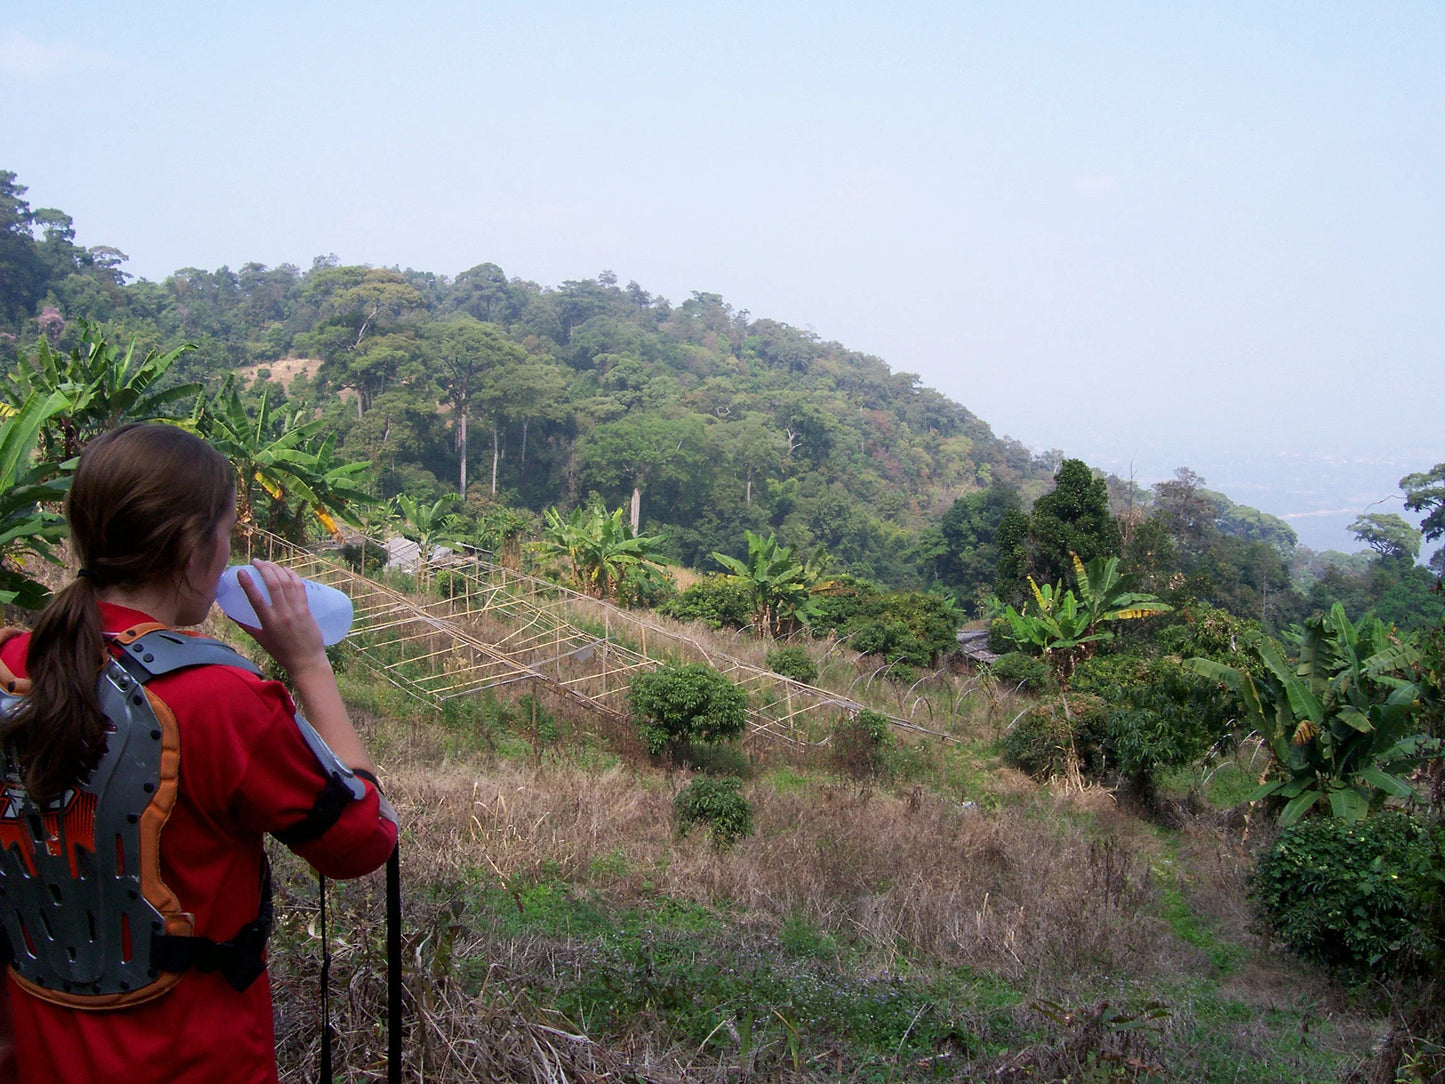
(1425, 492)
(970, 556)
(354, 303)
(461, 352)
(1387, 534)
(640, 451)
(1073, 519)
(22, 272)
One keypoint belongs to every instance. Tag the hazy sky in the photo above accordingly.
(1168, 233)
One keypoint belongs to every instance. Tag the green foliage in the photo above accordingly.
(1020, 670)
(911, 627)
(603, 556)
(1161, 716)
(908, 628)
(27, 527)
(1072, 519)
(286, 464)
(715, 421)
(718, 805)
(1197, 630)
(793, 662)
(1340, 720)
(968, 557)
(1000, 636)
(685, 702)
(100, 388)
(1349, 895)
(717, 601)
(1047, 742)
(1063, 627)
(429, 526)
(1425, 492)
(1388, 534)
(779, 585)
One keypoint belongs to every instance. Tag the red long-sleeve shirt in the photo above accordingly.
(245, 770)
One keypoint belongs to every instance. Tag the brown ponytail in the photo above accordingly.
(140, 502)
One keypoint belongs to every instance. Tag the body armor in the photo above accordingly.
(89, 921)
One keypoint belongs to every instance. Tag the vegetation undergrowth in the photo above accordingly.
(877, 928)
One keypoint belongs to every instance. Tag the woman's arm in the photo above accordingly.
(289, 634)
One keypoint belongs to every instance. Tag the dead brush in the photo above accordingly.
(1096, 1042)
(1015, 892)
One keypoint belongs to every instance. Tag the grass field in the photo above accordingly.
(949, 919)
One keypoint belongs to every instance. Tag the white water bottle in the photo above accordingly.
(331, 608)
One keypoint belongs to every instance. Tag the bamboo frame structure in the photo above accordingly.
(496, 627)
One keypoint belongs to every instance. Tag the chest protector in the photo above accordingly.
(89, 921)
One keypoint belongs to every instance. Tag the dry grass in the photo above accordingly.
(1021, 893)
(1054, 897)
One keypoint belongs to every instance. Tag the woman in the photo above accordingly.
(92, 996)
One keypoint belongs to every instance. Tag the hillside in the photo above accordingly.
(701, 420)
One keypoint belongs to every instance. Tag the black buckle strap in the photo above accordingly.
(241, 960)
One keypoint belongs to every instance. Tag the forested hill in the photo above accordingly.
(697, 418)
(718, 420)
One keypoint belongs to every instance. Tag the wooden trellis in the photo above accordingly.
(493, 626)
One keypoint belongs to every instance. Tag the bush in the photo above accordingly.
(714, 600)
(1161, 716)
(1000, 636)
(1350, 894)
(1039, 742)
(1024, 671)
(860, 743)
(718, 805)
(793, 662)
(909, 627)
(365, 556)
(679, 703)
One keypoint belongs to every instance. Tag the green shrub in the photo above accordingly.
(1024, 671)
(793, 662)
(1350, 894)
(718, 805)
(1039, 742)
(860, 743)
(714, 600)
(1000, 636)
(909, 627)
(679, 703)
(366, 556)
(645, 586)
(1161, 717)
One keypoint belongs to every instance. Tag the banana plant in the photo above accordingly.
(27, 527)
(286, 466)
(429, 526)
(1063, 626)
(601, 551)
(1341, 721)
(781, 586)
(100, 389)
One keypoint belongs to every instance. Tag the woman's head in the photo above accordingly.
(150, 509)
(143, 500)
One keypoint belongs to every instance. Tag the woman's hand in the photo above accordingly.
(288, 632)
(291, 636)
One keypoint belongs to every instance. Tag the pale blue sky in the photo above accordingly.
(1179, 234)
